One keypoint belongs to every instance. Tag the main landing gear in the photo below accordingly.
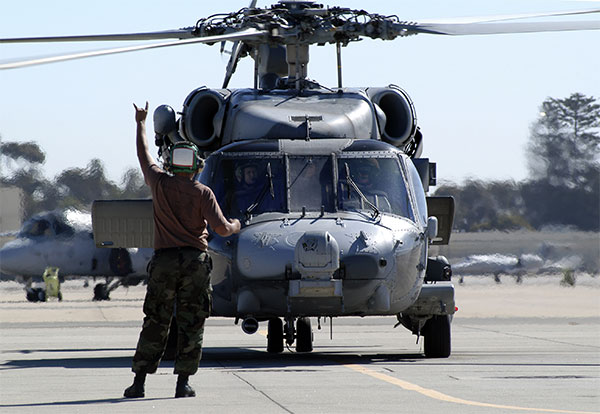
(437, 337)
(299, 331)
(102, 290)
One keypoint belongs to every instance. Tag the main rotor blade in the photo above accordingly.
(184, 33)
(500, 28)
(504, 17)
(242, 35)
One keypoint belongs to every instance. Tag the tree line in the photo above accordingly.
(564, 188)
(72, 188)
(564, 185)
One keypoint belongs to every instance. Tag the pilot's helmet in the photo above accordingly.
(240, 171)
(184, 157)
(367, 170)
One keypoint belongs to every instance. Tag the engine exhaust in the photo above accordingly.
(250, 326)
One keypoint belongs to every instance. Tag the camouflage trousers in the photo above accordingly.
(179, 281)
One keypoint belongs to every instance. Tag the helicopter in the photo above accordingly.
(328, 181)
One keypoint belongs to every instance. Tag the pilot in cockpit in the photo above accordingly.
(247, 175)
(247, 186)
(367, 176)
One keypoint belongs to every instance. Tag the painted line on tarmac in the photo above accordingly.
(448, 398)
(436, 395)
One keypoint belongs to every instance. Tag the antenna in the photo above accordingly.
(338, 50)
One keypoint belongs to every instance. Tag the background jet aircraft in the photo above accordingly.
(64, 240)
(500, 264)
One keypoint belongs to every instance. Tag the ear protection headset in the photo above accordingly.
(184, 157)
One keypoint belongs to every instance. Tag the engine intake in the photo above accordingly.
(203, 113)
(401, 121)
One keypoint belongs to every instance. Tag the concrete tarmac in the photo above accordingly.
(528, 348)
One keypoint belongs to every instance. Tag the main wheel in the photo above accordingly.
(275, 336)
(437, 337)
(101, 292)
(304, 335)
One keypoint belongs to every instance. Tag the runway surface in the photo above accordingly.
(508, 356)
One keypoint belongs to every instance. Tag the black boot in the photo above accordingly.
(136, 390)
(184, 389)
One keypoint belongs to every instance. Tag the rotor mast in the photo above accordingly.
(297, 58)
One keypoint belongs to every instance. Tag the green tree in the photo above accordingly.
(21, 168)
(79, 187)
(496, 205)
(133, 185)
(28, 151)
(564, 159)
(564, 144)
(73, 187)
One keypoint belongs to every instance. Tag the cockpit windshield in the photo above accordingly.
(36, 228)
(311, 184)
(373, 184)
(48, 225)
(246, 185)
(243, 186)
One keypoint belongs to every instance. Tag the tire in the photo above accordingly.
(304, 335)
(31, 297)
(275, 336)
(101, 292)
(437, 337)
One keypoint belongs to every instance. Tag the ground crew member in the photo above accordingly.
(179, 273)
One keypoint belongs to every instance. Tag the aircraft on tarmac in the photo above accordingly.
(514, 265)
(64, 239)
(328, 180)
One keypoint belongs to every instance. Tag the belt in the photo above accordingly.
(178, 249)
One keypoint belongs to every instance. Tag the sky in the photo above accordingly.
(476, 97)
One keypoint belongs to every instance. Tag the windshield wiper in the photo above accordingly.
(350, 181)
(267, 186)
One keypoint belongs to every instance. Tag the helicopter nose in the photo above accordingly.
(13, 259)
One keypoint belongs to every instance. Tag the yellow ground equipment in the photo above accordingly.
(52, 283)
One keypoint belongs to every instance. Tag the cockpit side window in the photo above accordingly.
(381, 181)
(241, 183)
(311, 183)
(62, 229)
(36, 228)
(419, 192)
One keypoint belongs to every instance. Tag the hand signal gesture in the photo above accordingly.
(141, 113)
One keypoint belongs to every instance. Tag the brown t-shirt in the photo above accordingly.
(182, 208)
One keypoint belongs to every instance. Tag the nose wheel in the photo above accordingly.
(275, 336)
(304, 335)
(299, 331)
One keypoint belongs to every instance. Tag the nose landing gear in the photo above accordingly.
(299, 331)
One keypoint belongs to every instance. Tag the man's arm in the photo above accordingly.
(227, 229)
(143, 152)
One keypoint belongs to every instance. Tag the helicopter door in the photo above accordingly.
(442, 207)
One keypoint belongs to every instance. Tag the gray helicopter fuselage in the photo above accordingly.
(313, 246)
(330, 191)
